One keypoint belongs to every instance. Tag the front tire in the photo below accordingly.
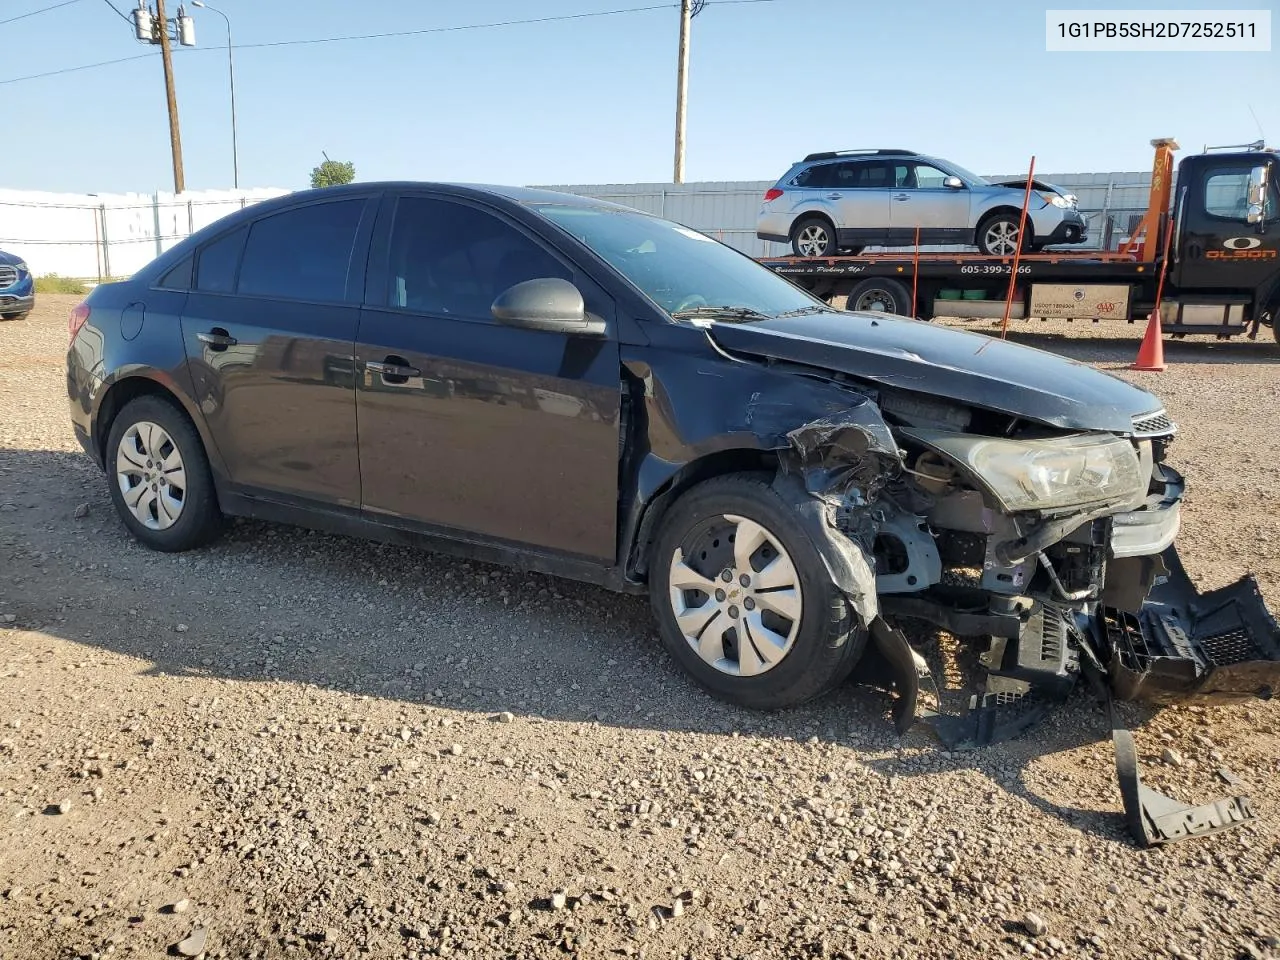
(159, 477)
(774, 634)
(998, 235)
(814, 237)
(13, 316)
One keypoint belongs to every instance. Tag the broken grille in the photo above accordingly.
(1153, 425)
(8, 275)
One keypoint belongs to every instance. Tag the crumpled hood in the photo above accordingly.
(931, 359)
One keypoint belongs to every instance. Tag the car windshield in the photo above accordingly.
(968, 176)
(684, 272)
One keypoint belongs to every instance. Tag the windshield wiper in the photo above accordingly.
(724, 312)
(801, 311)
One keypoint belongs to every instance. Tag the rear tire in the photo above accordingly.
(881, 295)
(814, 236)
(159, 477)
(997, 235)
(775, 636)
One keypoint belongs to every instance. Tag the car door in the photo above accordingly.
(920, 198)
(859, 190)
(468, 427)
(269, 329)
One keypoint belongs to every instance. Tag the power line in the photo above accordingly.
(378, 36)
(116, 11)
(23, 16)
(83, 66)
(466, 26)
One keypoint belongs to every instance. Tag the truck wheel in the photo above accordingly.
(744, 602)
(998, 235)
(813, 237)
(159, 477)
(13, 316)
(884, 296)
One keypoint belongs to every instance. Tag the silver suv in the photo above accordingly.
(847, 200)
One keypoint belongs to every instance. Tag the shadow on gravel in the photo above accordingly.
(269, 603)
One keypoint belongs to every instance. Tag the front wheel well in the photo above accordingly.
(717, 464)
(1015, 212)
(118, 395)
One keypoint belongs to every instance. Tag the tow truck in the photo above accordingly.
(1216, 243)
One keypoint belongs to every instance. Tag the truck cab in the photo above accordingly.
(1224, 263)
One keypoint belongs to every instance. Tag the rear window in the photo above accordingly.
(216, 272)
(179, 277)
(302, 254)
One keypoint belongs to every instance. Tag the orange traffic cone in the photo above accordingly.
(1151, 353)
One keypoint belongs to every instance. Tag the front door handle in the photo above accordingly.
(901, 196)
(393, 370)
(217, 339)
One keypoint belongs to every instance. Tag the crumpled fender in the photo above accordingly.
(828, 475)
(847, 560)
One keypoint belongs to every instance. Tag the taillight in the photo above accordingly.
(77, 319)
(773, 193)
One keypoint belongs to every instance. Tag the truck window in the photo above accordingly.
(1226, 195)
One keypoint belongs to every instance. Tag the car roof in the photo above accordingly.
(520, 195)
(497, 194)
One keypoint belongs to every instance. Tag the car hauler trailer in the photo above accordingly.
(1222, 265)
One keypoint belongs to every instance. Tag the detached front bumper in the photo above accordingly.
(1183, 644)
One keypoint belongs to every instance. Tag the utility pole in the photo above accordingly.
(154, 28)
(175, 135)
(682, 85)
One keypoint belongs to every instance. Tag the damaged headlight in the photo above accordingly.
(1046, 474)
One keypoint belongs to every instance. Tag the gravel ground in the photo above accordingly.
(292, 744)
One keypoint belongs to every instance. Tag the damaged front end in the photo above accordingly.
(1050, 550)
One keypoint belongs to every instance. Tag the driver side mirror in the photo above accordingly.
(549, 304)
(955, 183)
(1256, 195)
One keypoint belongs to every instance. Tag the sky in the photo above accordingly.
(592, 100)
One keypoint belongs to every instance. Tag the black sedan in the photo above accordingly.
(577, 388)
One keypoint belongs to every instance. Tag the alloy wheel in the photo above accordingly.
(151, 475)
(814, 241)
(1002, 238)
(736, 595)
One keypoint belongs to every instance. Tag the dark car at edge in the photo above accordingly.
(580, 389)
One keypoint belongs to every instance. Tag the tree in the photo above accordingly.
(332, 173)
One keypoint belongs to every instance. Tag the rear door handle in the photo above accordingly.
(901, 196)
(393, 370)
(835, 196)
(217, 339)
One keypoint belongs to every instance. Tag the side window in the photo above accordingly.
(178, 277)
(453, 259)
(302, 254)
(216, 272)
(871, 175)
(927, 177)
(847, 176)
(1226, 195)
(820, 175)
